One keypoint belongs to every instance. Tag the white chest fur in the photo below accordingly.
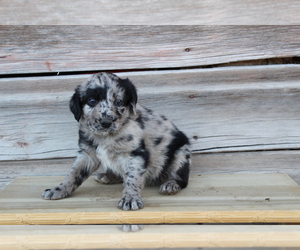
(111, 159)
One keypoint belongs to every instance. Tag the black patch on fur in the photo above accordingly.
(83, 139)
(100, 79)
(145, 118)
(78, 181)
(98, 93)
(141, 151)
(120, 112)
(159, 122)
(113, 177)
(126, 121)
(183, 174)
(163, 117)
(158, 140)
(76, 105)
(140, 121)
(188, 156)
(83, 175)
(130, 96)
(126, 138)
(179, 140)
(57, 189)
(149, 111)
(129, 138)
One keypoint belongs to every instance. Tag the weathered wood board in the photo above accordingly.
(221, 109)
(208, 199)
(264, 162)
(44, 49)
(149, 12)
(149, 236)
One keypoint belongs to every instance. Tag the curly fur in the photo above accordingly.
(132, 144)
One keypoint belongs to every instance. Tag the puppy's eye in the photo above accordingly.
(119, 103)
(92, 102)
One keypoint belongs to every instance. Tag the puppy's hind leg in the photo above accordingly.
(178, 173)
(83, 167)
(108, 178)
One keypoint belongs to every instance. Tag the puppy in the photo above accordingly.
(132, 144)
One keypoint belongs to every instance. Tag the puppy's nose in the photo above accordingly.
(106, 123)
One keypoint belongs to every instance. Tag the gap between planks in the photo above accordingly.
(42, 49)
(259, 62)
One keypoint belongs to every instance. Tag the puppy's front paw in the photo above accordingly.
(55, 193)
(129, 202)
(169, 188)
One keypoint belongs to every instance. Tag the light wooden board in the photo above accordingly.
(221, 110)
(208, 199)
(149, 236)
(149, 12)
(36, 49)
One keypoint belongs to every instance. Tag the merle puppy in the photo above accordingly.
(132, 144)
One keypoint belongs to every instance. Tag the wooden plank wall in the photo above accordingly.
(221, 109)
(38, 49)
(150, 12)
(240, 119)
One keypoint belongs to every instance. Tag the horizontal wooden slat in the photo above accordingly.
(221, 110)
(149, 236)
(149, 12)
(36, 49)
(208, 199)
(284, 162)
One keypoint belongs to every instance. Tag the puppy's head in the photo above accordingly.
(104, 102)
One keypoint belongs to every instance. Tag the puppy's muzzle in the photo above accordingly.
(106, 123)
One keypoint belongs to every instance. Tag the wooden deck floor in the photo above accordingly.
(208, 199)
(150, 237)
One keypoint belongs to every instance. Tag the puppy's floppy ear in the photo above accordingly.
(130, 92)
(75, 105)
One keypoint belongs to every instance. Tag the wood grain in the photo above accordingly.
(44, 49)
(221, 110)
(152, 236)
(208, 199)
(284, 162)
(149, 12)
